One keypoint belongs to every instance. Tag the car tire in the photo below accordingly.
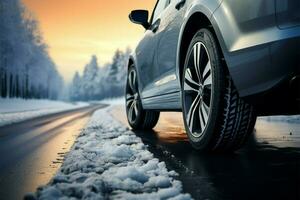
(215, 117)
(137, 117)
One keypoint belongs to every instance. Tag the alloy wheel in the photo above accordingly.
(132, 97)
(197, 90)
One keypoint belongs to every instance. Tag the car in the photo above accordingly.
(222, 63)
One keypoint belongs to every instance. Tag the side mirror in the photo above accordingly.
(140, 17)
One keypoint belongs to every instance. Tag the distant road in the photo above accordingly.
(32, 151)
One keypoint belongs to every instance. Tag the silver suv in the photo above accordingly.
(221, 62)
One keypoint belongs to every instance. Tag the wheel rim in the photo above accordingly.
(132, 97)
(197, 90)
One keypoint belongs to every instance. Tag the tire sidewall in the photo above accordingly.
(205, 36)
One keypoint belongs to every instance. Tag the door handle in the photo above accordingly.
(180, 4)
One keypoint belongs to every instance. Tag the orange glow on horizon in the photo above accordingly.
(76, 29)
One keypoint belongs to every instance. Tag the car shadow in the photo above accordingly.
(258, 171)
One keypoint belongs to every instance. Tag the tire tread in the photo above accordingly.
(150, 119)
(237, 120)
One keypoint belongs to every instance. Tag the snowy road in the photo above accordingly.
(32, 151)
(108, 161)
(267, 168)
(19, 110)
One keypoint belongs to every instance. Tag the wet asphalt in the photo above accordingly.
(32, 151)
(268, 167)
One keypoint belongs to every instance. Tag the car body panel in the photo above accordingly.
(167, 49)
(246, 31)
(166, 102)
(287, 13)
(251, 37)
(146, 66)
(170, 31)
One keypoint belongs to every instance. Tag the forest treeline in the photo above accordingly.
(100, 82)
(26, 70)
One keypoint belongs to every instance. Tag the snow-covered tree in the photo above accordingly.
(75, 87)
(113, 74)
(102, 82)
(89, 77)
(26, 70)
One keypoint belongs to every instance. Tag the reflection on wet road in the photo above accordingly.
(267, 168)
(32, 151)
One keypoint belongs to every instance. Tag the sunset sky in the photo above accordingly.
(76, 29)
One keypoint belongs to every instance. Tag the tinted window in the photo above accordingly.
(160, 6)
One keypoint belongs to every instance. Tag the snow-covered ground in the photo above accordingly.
(108, 161)
(287, 119)
(114, 101)
(17, 110)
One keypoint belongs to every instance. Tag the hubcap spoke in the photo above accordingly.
(192, 111)
(202, 122)
(130, 111)
(207, 70)
(208, 80)
(129, 102)
(189, 78)
(205, 112)
(190, 87)
(190, 84)
(136, 109)
(203, 115)
(132, 81)
(129, 97)
(132, 97)
(197, 53)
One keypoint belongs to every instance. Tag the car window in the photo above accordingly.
(160, 6)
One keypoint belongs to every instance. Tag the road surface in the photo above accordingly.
(32, 151)
(267, 168)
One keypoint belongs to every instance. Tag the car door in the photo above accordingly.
(167, 46)
(146, 54)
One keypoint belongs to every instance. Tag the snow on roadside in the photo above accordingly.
(286, 119)
(17, 110)
(114, 101)
(108, 161)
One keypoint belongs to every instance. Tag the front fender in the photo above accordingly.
(206, 7)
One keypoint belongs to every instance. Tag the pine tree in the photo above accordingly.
(89, 78)
(75, 88)
(113, 73)
(99, 83)
(24, 58)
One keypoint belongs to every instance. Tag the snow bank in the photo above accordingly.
(114, 101)
(108, 161)
(17, 110)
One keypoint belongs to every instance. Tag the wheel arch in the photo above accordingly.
(195, 21)
(130, 62)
